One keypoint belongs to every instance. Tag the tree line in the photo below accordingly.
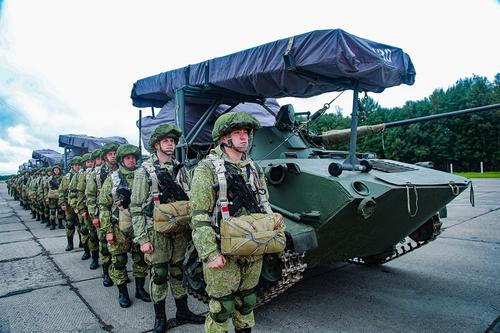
(464, 140)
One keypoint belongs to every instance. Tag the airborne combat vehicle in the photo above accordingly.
(338, 205)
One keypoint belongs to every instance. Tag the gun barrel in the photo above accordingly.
(334, 137)
(442, 115)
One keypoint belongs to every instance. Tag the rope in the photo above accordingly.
(408, 199)
(454, 188)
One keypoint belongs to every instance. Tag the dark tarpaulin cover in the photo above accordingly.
(193, 112)
(85, 143)
(48, 156)
(261, 71)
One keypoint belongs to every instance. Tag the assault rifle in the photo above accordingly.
(169, 188)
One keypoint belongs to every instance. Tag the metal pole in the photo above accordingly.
(140, 129)
(153, 111)
(351, 162)
(179, 118)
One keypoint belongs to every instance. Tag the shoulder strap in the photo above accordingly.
(257, 187)
(220, 172)
(151, 172)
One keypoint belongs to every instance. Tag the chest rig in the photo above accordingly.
(120, 191)
(54, 182)
(235, 192)
(164, 188)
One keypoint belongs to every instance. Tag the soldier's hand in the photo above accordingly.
(147, 248)
(110, 238)
(96, 223)
(218, 262)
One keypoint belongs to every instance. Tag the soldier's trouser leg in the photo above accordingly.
(46, 212)
(93, 239)
(70, 222)
(139, 266)
(119, 258)
(231, 294)
(52, 211)
(158, 260)
(82, 229)
(104, 254)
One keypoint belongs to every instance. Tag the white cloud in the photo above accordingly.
(73, 63)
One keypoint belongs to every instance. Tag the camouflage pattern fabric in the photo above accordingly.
(87, 228)
(169, 249)
(55, 210)
(74, 203)
(63, 200)
(91, 195)
(123, 242)
(238, 275)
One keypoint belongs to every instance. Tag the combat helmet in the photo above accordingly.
(231, 121)
(164, 131)
(76, 160)
(86, 157)
(127, 149)
(48, 169)
(59, 166)
(110, 146)
(96, 153)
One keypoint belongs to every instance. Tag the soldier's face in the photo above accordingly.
(166, 145)
(98, 161)
(49, 173)
(129, 161)
(76, 167)
(57, 171)
(239, 139)
(89, 164)
(111, 157)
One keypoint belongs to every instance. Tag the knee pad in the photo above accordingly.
(84, 231)
(160, 275)
(70, 224)
(222, 309)
(176, 271)
(248, 301)
(120, 261)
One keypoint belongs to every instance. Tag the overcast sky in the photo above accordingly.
(68, 66)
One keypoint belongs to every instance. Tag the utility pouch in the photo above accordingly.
(125, 221)
(171, 217)
(53, 194)
(252, 234)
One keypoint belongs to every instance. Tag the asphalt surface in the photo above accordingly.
(450, 285)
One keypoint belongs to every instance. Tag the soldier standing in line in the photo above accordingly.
(64, 191)
(45, 192)
(93, 241)
(164, 177)
(22, 186)
(92, 191)
(55, 211)
(32, 187)
(230, 279)
(116, 222)
(80, 207)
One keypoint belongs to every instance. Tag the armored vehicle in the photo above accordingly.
(338, 205)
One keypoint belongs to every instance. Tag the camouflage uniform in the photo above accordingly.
(168, 249)
(64, 192)
(32, 189)
(109, 207)
(80, 208)
(231, 288)
(45, 193)
(55, 211)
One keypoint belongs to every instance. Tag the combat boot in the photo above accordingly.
(243, 330)
(184, 315)
(86, 252)
(60, 224)
(123, 297)
(140, 292)
(52, 224)
(160, 317)
(106, 280)
(69, 247)
(94, 264)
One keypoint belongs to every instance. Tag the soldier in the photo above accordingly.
(116, 222)
(230, 279)
(71, 219)
(94, 185)
(22, 186)
(77, 198)
(45, 193)
(93, 240)
(31, 189)
(55, 211)
(162, 175)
